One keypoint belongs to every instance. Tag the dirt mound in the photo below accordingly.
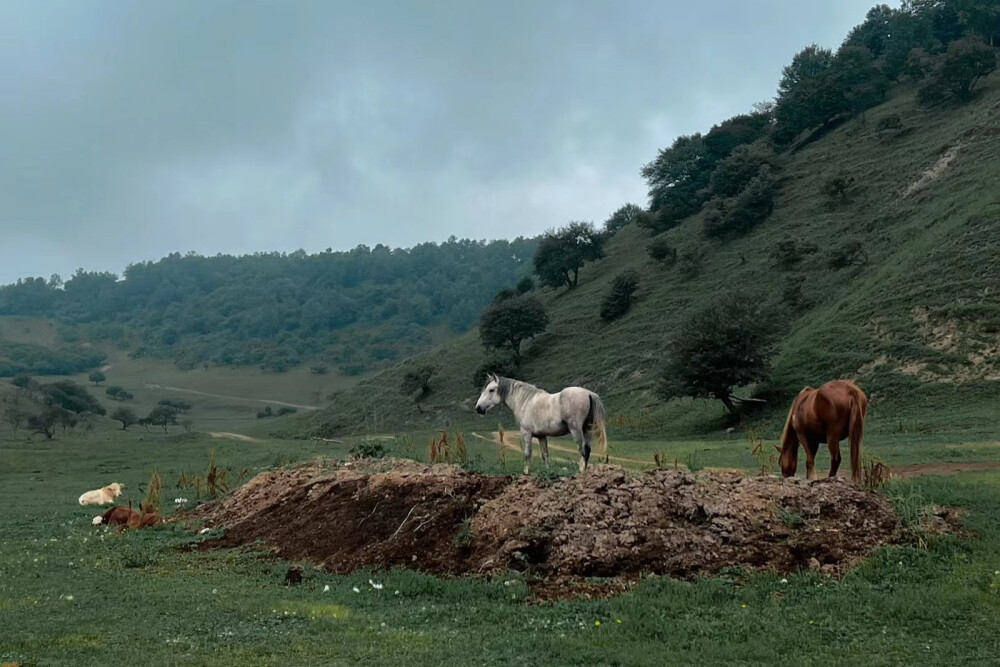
(605, 523)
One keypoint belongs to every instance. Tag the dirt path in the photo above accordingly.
(232, 398)
(233, 436)
(105, 369)
(944, 468)
(513, 441)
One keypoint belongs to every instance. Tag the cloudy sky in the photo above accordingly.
(131, 128)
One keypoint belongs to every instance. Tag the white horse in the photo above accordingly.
(540, 414)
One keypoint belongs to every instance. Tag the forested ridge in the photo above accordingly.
(356, 310)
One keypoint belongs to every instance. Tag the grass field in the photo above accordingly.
(74, 594)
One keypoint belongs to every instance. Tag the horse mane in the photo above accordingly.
(506, 385)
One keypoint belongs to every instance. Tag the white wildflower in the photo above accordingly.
(377, 587)
(326, 589)
(203, 531)
(356, 589)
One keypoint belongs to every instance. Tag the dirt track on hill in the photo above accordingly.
(605, 523)
(232, 398)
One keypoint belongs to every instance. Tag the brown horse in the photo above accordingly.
(834, 411)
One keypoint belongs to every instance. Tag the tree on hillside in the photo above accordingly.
(418, 380)
(118, 393)
(859, 78)
(954, 74)
(621, 218)
(562, 252)
(735, 172)
(70, 396)
(675, 178)
(507, 324)
(163, 416)
(525, 285)
(13, 414)
(807, 95)
(177, 404)
(724, 345)
(25, 384)
(126, 416)
(97, 377)
(46, 422)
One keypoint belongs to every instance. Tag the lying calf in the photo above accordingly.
(102, 496)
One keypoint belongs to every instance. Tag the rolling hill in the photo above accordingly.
(915, 318)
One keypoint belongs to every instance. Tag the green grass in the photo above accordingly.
(933, 252)
(138, 598)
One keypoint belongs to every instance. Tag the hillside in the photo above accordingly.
(352, 311)
(917, 324)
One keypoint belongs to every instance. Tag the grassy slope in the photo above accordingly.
(222, 398)
(933, 250)
(170, 606)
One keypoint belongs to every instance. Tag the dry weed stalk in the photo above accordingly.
(501, 448)
(154, 493)
(760, 453)
(460, 451)
(444, 448)
(660, 459)
(876, 474)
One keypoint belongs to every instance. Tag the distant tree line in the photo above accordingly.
(366, 307)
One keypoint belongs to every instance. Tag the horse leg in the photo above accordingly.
(811, 450)
(583, 443)
(833, 442)
(543, 442)
(526, 439)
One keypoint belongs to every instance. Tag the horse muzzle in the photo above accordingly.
(481, 410)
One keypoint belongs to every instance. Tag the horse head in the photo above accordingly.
(490, 395)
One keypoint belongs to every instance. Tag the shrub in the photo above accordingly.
(789, 252)
(742, 213)
(890, 122)
(660, 250)
(792, 295)
(368, 449)
(265, 413)
(499, 363)
(850, 253)
(525, 285)
(836, 186)
(733, 174)
(619, 299)
(418, 380)
(689, 263)
(285, 410)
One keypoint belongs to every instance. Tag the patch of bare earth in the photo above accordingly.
(605, 523)
(944, 468)
(934, 172)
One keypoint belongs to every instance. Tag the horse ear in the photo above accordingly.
(778, 448)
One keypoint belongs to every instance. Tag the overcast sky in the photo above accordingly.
(134, 128)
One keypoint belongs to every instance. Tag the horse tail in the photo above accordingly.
(598, 423)
(859, 408)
